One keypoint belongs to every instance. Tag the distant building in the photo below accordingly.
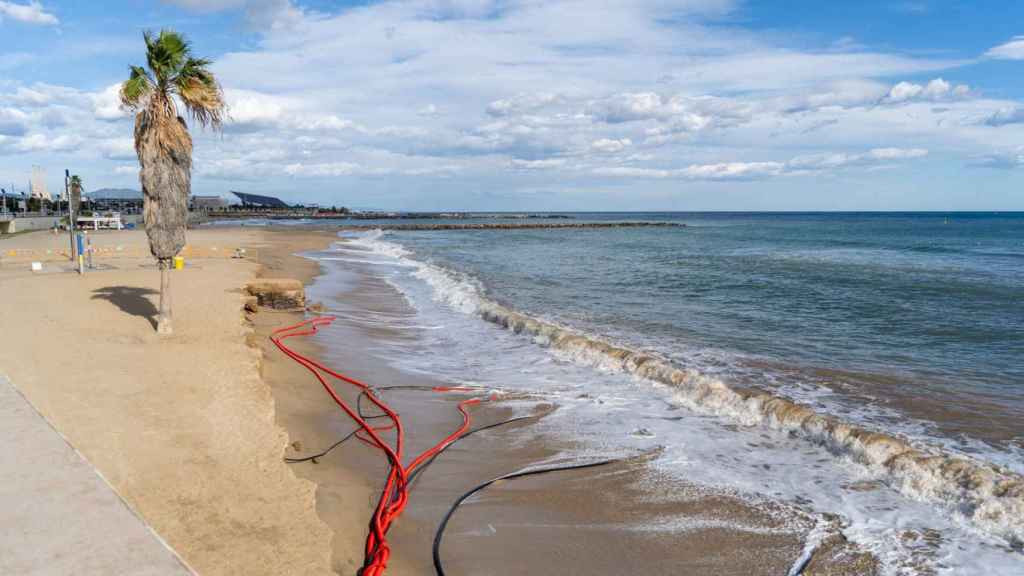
(37, 185)
(207, 203)
(257, 201)
(123, 200)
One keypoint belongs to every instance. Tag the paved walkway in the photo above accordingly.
(57, 515)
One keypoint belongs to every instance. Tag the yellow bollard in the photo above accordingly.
(179, 263)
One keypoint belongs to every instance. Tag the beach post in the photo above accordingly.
(71, 214)
(81, 254)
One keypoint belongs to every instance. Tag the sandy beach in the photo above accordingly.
(181, 427)
(190, 430)
(511, 288)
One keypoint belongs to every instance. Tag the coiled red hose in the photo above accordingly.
(395, 494)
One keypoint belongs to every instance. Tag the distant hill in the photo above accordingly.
(115, 194)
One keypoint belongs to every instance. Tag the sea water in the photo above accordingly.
(910, 325)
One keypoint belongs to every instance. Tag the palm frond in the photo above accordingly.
(165, 54)
(200, 92)
(137, 89)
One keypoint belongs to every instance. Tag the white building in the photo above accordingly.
(37, 186)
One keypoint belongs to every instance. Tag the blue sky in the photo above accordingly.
(546, 105)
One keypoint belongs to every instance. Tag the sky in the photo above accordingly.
(545, 104)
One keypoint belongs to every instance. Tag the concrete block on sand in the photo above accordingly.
(278, 293)
(57, 515)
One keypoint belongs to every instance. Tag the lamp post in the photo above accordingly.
(71, 215)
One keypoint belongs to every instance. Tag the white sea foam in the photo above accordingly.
(989, 497)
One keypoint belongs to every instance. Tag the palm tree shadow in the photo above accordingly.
(131, 300)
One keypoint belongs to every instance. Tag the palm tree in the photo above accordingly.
(163, 144)
(75, 201)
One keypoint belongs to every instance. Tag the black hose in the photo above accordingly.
(359, 408)
(325, 452)
(438, 568)
(426, 464)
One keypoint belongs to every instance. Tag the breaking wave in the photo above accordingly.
(990, 496)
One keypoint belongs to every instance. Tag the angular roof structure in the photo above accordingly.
(261, 201)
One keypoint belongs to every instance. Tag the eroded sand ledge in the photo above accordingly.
(182, 428)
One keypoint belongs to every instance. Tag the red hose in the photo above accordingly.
(395, 494)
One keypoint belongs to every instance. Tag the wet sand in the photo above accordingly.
(619, 519)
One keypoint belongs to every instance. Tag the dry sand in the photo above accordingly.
(181, 427)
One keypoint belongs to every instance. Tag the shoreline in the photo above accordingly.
(969, 487)
(615, 500)
(298, 398)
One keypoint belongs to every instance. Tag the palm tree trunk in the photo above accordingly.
(165, 161)
(163, 320)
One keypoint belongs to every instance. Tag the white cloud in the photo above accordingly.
(630, 107)
(248, 107)
(263, 14)
(733, 170)
(839, 93)
(106, 104)
(1005, 159)
(458, 9)
(120, 148)
(1012, 50)
(862, 92)
(935, 90)
(32, 96)
(250, 110)
(123, 169)
(1006, 115)
(277, 15)
(521, 103)
(505, 91)
(717, 171)
(31, 13)
(428, 110)
(48, 143)
(322, 169)
(610, 146)
(760, 170)
(544, 164)
(896, 153)
(13, 122)
(841, 160)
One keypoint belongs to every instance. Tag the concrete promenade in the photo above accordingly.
(57, 515)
